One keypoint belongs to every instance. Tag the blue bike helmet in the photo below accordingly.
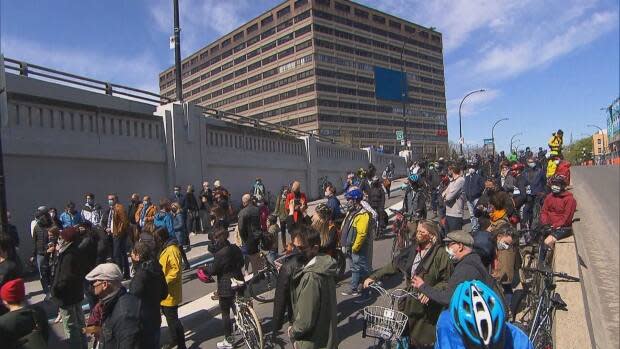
(354, 193)
(478, 313)
(414, 177)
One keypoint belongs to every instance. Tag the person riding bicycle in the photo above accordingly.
(558, 210)
(476, 320)
(414, 202)
(356, 240)
(427, 258)
(227, 264)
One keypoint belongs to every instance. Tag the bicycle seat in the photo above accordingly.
(559, 302)
(236, 284)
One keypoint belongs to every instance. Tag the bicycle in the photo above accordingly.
(263, 281)
(400, 231)
(383, 321)
(246, 321)
(541, 327)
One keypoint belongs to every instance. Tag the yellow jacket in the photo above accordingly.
(360, 223)
(551, 167)
(170, 260)
(555, 144)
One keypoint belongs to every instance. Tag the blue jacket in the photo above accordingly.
(334, 204)
(448, 336)
(536, 180)
(164, 220)
(474, 185)
(70, 221)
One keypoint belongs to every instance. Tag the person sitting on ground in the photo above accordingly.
(427, 258)
(227, 264)
(467, 266)
(119, 310)
(476, 320)
(24, 326)
(314, 298)
(558, 210)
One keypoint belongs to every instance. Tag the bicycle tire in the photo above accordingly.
(260, 292)
(253, 331)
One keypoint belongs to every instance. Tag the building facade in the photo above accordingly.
(310, 65)
(613, 129)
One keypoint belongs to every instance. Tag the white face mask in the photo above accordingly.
(531, 164)
(557, 162)
(556, 189)
(451, 254)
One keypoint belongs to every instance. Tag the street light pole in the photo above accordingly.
(177, 51)
(460, 122)
(403, 93)
(493, 129)
(512, 138)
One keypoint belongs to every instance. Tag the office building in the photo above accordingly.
(331, 67)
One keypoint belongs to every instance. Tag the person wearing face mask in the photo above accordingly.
(535, 191)
(454, 199)
(53, 212)
(145, 214)
(563, 169)
(313, 294)
(558, 210)
(227, 264)
(507, 181)
(70, 217)
(42, 247)
(334, 204)
(426, 258)
(91, 212)
(555, 143)
(180, 233)
(474, 185)
(467, 267)
(116, 224)
(300, 202)
(134, 202)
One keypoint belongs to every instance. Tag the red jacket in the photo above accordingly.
(558, 210)
(564, 170)
(291, 196)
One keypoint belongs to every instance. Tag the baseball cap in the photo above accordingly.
(460, 236)
(105, 272)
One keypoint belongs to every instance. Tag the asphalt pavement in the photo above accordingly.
(597, 190)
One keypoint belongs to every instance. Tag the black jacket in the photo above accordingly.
(190, 203)
(474, 185)
(376, 197)
(249, 225)
(41, 239)
(68, 286)
(149, 285)
(88, 250)
(227, 264)
(282, 300)
(131, 211)
(121, 328)
(16, 325)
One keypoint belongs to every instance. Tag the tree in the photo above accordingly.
(575, 152)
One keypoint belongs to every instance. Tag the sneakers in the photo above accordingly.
(225, 344)
(350, 293)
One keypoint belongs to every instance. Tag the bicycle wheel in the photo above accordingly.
(250, 328)
(261, 284)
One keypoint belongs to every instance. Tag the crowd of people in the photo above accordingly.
(88, 253)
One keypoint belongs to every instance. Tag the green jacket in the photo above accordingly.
(313, 294)
(435, 268)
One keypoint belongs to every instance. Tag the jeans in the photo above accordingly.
(453, 223)
(43, 264)
(226, 305)
(359, 271)
(177, 332)
(471, 205)
(73, 322)
(119, 253)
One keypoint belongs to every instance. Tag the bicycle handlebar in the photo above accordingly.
(549, 273)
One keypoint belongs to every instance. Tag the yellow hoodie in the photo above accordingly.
(170, 260)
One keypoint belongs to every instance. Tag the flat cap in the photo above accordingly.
(460, 236)
(105, 272)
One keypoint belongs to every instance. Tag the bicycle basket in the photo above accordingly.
(383, 323)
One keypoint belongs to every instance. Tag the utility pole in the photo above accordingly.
(177, 51)
(404, 94)
(460, 122)
(3, 109)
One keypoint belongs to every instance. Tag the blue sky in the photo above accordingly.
(545, 64)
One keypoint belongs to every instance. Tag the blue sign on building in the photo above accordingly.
(390, 84)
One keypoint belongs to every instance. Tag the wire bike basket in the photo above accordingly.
(385, 322)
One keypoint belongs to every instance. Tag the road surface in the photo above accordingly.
(597, 190)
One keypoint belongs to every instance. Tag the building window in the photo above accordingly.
(268, 47)
(238, 36)
(266, 21)
(225, 42)
(270, 59)
(253, 40)
(395, 25)
(253, 53)
(301, 31)
(285, 38)
(378, 19)
(283, 12)
(300, 3)
(323, 2)
(361, 13)
(300, 17)
(240, 59)
(410, 29)
(303, 45)
(285, 25)
(252, 28)
(598, 141)
(254, 65)
(342, 7)
(268, 33)
(287, 52)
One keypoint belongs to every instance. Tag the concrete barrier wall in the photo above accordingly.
(61, 142)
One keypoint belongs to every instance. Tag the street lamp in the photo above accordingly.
(512, 139)
(492, 134)
(460, 122)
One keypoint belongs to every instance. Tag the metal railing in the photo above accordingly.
(28, 69)
(260, 124)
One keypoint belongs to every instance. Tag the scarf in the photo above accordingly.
(497, 215)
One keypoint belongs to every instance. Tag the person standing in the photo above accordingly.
(281, 211)
(177, 195)
(91, 211)
(473, 187)
(535, 191)
(249, 230)
(24, 326)
(453, 198)
(190, 212)
(207, 192)
(204, 216)
(145, 214)
(334, 204)
(179, 231)
(71, 217)
(67, 288)
(300, 201)
(42, 248)
(170, 261)
(313, 296)
(163, 218)
(134, 203)
(116, 224)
